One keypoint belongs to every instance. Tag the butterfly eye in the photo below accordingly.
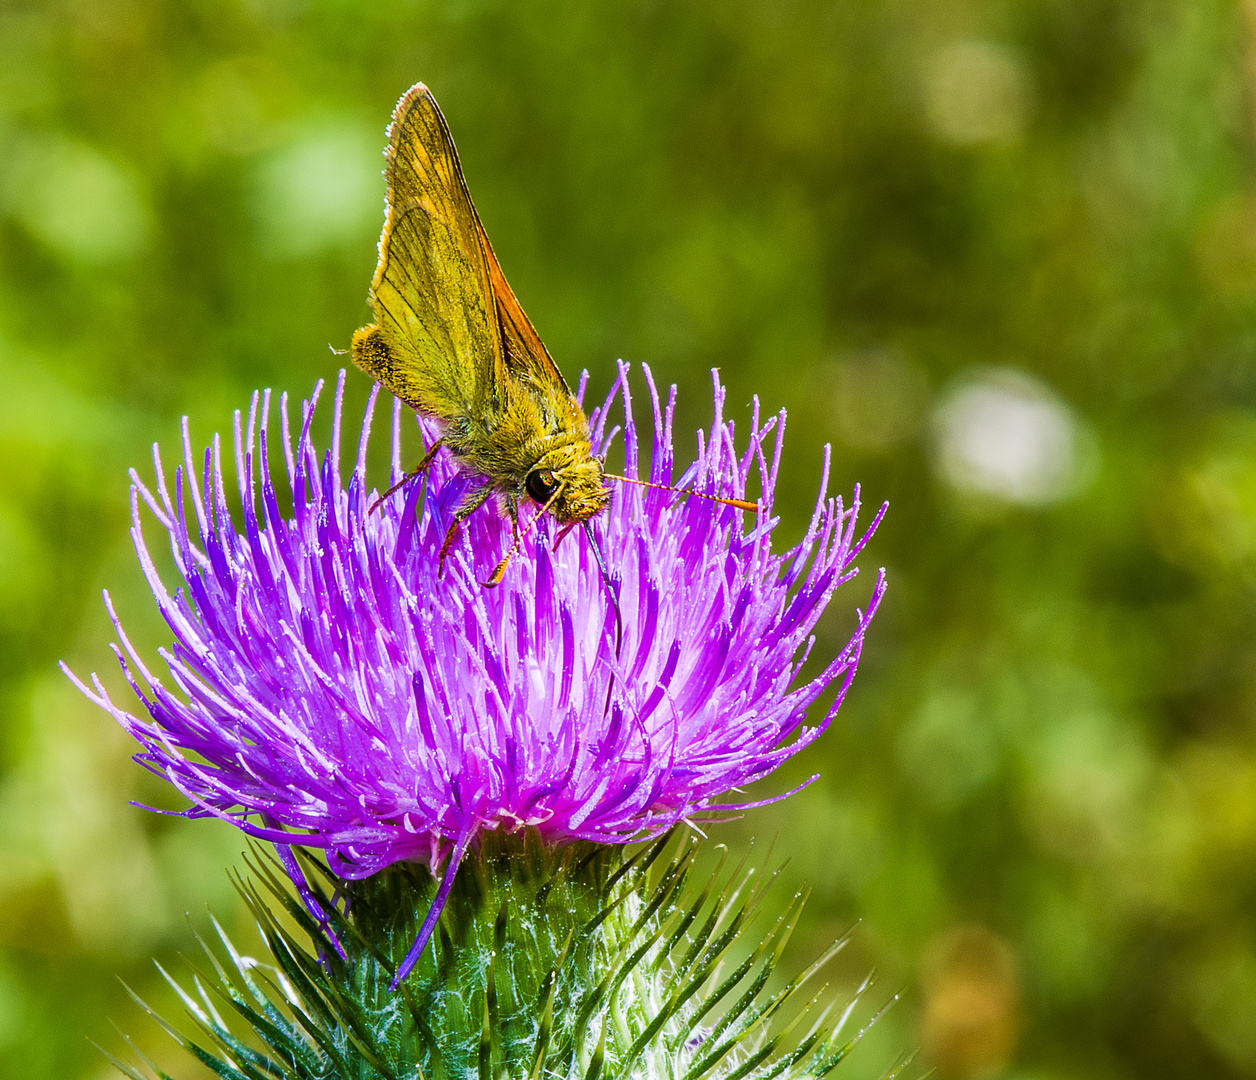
(541, 485)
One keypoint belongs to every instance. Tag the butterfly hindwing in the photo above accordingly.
(525, 352)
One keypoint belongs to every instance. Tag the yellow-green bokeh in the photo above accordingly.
(1002, 255)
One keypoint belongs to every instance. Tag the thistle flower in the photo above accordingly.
(330, 689)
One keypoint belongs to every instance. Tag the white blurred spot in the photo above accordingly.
(322, 190)
(77, 201)
(1004, 434)
(976, 92)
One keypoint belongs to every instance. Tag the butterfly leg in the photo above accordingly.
(471, 502)
(418, 470)
(428, 458)
(499, 571)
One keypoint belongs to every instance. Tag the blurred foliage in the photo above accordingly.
(1000, 253)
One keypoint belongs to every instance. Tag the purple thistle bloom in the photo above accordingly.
(327, 689)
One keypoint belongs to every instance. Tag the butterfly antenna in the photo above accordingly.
(740, 504)
(610, 591)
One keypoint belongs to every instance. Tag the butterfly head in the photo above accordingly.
(572, 485)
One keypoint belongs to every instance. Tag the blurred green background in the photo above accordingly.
(1001, 254)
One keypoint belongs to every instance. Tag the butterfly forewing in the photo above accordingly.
(432, 293)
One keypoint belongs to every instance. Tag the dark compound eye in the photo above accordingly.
(541, 485)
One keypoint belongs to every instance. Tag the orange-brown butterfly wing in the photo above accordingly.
(437, 343)
(525, 351)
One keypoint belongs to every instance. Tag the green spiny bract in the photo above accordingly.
(581, 962)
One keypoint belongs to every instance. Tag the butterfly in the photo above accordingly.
(451, 340)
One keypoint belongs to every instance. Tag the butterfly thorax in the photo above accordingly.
(533, 441)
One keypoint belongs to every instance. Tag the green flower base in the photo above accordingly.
(582, 961)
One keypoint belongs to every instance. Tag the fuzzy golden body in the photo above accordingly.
(451, 340)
